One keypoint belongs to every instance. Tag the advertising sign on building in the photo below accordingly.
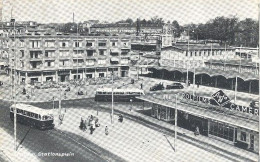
(220, 97)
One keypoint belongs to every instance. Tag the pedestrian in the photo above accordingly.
(197, 131)
(198, 85)
(106, 130)
(141, 85)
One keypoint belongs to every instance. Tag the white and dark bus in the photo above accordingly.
(33, 116)
(124, 95)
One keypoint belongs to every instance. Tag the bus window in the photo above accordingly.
(40, 117)
(46, 117)
(12, 109)
(32, 115)
(24, 112)
(99, 92)
(36, 116)
(28, 114)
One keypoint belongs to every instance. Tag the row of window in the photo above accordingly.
(79, 62)
(31, 114)
(36, 54)
(37, 44)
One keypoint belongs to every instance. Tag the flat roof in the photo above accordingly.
(32, 108)
(120, 90)
(246, 76)
(197, 47)
(205, 112)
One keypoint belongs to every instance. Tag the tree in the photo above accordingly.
(129, 20)
(176, 28)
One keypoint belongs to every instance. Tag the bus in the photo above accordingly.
(124, 95)
(32, 116)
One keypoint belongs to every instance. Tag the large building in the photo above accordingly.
(194, 55)
(214, 117)
(41, 58)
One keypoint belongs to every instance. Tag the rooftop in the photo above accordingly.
(197, 47)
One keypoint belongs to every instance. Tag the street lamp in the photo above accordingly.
(112, 114)
(175, 123)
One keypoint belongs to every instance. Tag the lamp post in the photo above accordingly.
(175, 124)
(112, 113)
(259, 82)
(13, 88)
(187, 77)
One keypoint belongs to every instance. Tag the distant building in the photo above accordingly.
(194, 55)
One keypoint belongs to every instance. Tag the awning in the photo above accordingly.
(246, 76)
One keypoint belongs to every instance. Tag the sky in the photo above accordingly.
(184, 11)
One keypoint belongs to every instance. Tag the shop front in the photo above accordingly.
(162, 112)
(63, 75)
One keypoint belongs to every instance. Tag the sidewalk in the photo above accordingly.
(201, 139)
(132, 141)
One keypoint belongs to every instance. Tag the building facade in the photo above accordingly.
(231, 123)
(41, 58)
(194, 55)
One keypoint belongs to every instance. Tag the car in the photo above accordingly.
(67, 89)
(157, 87)
(80, 92)
(175, 86)
(254, 104)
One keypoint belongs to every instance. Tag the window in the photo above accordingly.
(48, 63)
(101, 44)
(89, 44)
(64, 53)
(64, 44)
(124, 61)
(22, 53)
(102, 52)
(35, 44)
(101, 62)
(125, 44)
(21, 43)
(76, 44)
(49, 43)
(113, 43)
(90, 62)
(64, 63)
(90, 52)
(243, 136)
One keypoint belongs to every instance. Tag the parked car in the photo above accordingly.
(157, 87)
(175, 86)
(254, 104)
(67, 89)
(80, 92)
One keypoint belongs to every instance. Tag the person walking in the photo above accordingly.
(106, 130)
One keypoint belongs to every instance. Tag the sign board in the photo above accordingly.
(220, 97)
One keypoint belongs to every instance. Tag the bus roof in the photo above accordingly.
(120, 90)
(32, 109)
